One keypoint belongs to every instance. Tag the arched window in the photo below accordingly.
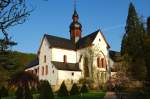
(46, 71)
(44, 58)
(103, 62)
(42, 70)
(86, 69)
(65, 59)
(98, 62)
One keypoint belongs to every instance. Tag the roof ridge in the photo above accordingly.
(56, 36)
(91, 33)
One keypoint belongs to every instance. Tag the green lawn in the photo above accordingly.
(90, 95)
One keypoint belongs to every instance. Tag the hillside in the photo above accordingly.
(12, 62)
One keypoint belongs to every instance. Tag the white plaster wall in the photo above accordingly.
(58, 55)
(100, 44)
(45, 50)
(67, 75)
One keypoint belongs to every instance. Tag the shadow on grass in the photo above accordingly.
(89, 95)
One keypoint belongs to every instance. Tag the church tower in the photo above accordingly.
(75, 28)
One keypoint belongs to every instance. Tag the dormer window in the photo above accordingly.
(65, 59)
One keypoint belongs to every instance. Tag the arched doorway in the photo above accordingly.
(85, 68)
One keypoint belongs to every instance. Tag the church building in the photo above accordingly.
(61, 59)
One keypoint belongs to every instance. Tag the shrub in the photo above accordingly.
(74, 90)
(84, 89)
(27, 92)
(33, 90)
(63, 90)
(3, 92)
(45, 90)
(19, 93)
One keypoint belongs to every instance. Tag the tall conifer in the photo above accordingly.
(132, 45)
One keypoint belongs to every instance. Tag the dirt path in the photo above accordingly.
(110, 95)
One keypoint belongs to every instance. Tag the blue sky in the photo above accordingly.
(54, 17)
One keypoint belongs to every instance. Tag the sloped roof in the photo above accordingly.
(60, 42)
(115, 56)
(33, 63)
(66, 66)
(87, 40)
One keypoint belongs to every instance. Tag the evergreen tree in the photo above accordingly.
(19, 93)
(63, 90)
(132, 45)
(3, 92)
(84, 89)
(147, 55)
(148, 26)
(46, 91)
(27, 92)
(74, 90)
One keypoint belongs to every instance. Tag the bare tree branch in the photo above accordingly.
(12, 12)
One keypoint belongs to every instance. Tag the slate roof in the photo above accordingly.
(115, 56)
(87, 40)
(60, 42)
(33, 63)
(66, 66)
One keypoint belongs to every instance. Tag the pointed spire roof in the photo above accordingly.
(75, 14)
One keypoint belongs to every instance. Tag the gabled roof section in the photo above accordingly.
(115, 56)
(59, 42)
(87, 40)
(33, 63)
(66, 66)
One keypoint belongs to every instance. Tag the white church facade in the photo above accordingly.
(60, 59)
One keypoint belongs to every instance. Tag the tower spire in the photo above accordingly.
(75, 26)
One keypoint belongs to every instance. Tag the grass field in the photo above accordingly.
(90, 95)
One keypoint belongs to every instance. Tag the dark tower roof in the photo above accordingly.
(75, 24)
(75, 14)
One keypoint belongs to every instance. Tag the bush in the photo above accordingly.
(45, 90)
(74, 90)
(84, 89)
(27, 92)
(19, 93)
(34, 90)
(63, 90)
(3, 92)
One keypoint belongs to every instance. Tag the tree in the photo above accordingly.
(12, 12)
(84, 89)
(45, 90)
(147, 55)
(148, 26)
(19, 93)
(27, 92)
(74, 90)
(132, 45)
(63, 90)
(92, 53)
(3, 92)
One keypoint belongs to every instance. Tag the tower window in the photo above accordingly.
(65, 59)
